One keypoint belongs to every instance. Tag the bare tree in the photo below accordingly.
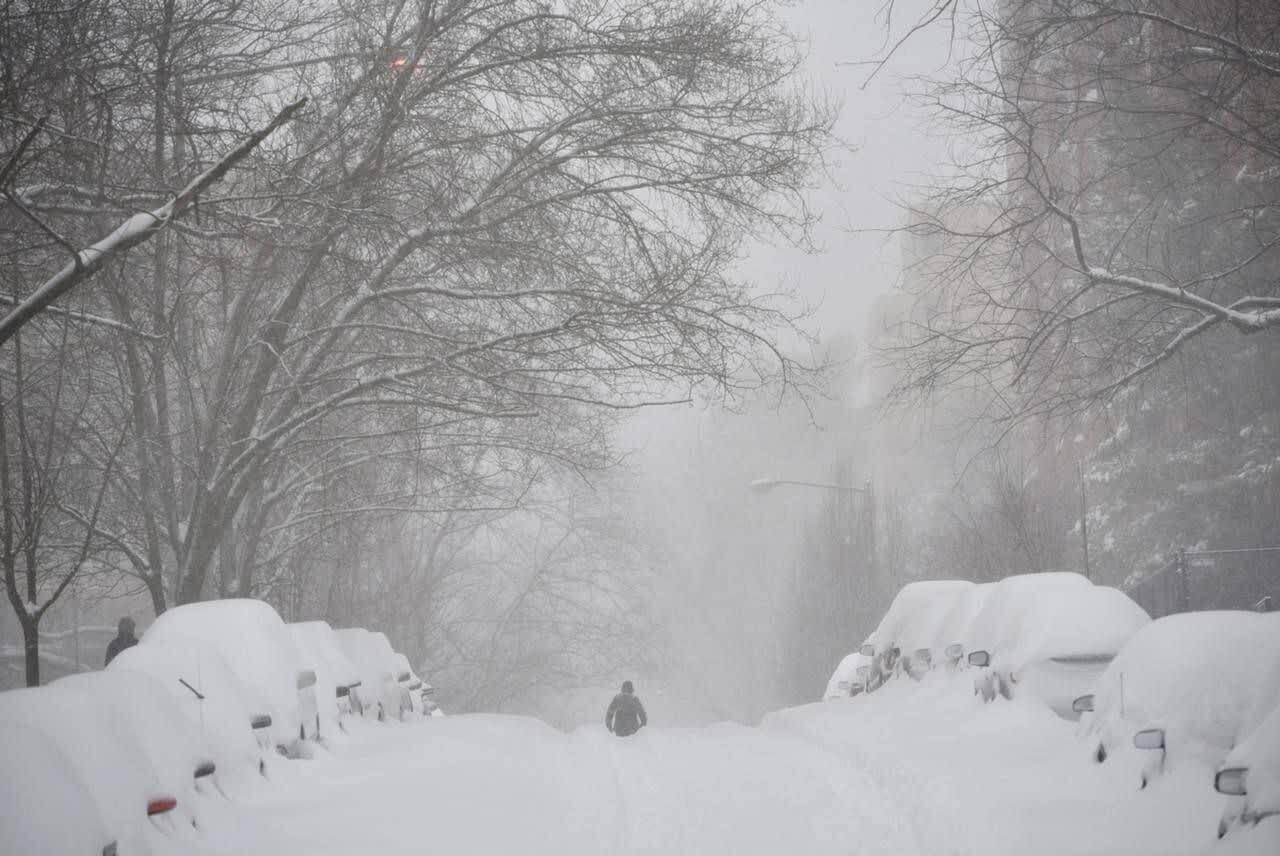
(56, 458)
(1115, 204)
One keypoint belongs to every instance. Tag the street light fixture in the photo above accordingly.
(766, 485)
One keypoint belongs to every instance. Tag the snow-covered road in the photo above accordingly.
(491, 784)
(930, 774)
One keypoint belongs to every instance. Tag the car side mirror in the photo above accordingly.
(1149, 738)
(1083, 704)
(205, 769)
(343, 691)
(306, 678)
(1231, 781)
(403, 676)
(981, 659)
(924, 655)
(867, 650)
(261, 720)
(954, 651)
(863, 672)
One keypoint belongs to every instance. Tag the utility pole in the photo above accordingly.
(1084, 521)
(1184, 593)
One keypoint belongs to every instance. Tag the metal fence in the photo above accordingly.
(1236, 578)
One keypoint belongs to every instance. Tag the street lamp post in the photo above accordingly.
(766, 485)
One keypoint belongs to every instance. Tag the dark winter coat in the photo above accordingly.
(118, 644)
(625, 715)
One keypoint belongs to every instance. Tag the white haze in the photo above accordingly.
(730, 550)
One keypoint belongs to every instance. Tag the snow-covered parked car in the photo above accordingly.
(373, 656)
(917, 635)
(50, 807)
(429, 700)
(849, 678)
(216, 703)
(336, 675)
(1006, 597)
(102, 764)
(905, 634)
(1178, 693)
(145, 719)
(410, 687)
(1249, 776)
(1055, 641)
(257, 646)
(951, 642)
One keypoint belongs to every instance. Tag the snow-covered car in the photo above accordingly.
(1178, 693)
(257, 646)
(429, 703)
(849, 678)
(215, 702)
(49, 808)
(410, 686)
(336, 675)
(138, 711)
(918, 632)
(373, 656)
(1055, 642)
(130, 805)
(951, 642)
(908, 627)
(1249, 776)
(1007, 597)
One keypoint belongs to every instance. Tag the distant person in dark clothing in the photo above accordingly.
(124, 639)
(625, 715)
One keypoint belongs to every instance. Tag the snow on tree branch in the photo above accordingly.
(136, 230)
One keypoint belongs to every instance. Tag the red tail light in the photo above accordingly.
(160, 805)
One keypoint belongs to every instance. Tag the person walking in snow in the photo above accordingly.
(124, 639)
(625, 715)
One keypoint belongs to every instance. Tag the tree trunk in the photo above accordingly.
(31, 648)
(155, 588)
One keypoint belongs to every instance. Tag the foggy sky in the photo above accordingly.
(732, 549)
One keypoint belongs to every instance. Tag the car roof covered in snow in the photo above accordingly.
(317, 643)
(920, 628)
(1197, 675)
(253, 639)
(956, 625)
(1071, 621)
(916, 606)
(1011, 596)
